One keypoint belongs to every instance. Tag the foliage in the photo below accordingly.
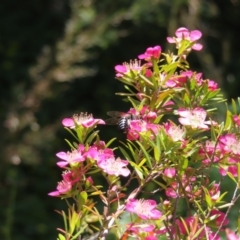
(51, 51)
(182, 155)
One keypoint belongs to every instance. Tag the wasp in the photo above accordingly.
(121, 119)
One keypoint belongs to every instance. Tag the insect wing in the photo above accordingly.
(116, 114)
(112, 121)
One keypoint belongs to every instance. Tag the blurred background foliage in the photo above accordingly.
(57, 58)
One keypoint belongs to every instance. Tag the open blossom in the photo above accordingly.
(231, 235)
(147, 230)
(145, 209)
(140, 126)
(214, 192)
(97, 154)
(219, 217)
(233, 168)
(151, 52)
(184, 33)
(175, 189)
(169, 172)
(175, 132)
(135, 66)
(82, 119)
(62, 188)
(236, 120)
(179, 80)
(229, 143)
(72, 158)
(194, 118)
(114, 166)
(212, 85)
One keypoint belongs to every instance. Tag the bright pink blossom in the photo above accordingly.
(174, 131)
(72, 158)
(62, 188)
(231, 235)
(72, 176)
(194, 118)
(169, 172)
(99, 154)
(151, 52)
(229, 143)
(212, 85)
(136, 127)
(184, 33)
(233, 169)
(140, 228)
(134, 66)
(219, 217)
(144, 114)
(82, 119)
(145, 209)
(180, 80)
(114, 166)
(214, 191)
(236, 119)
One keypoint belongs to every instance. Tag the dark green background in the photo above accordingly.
(57, 58)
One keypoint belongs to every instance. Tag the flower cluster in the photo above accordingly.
(173, 141)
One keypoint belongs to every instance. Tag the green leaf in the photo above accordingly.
(82, 198)
(110, 142)
(146, 80)
(65, 221)
(61, 237)
(156, 154)
(183, 163)
(145, 154)
(238, 166)
(228, 121)
(208, 197)
(91, 137)
(72, 221)
(137, 169)
(70, 144)
(234, 106)
(185, 44)
(125, 154)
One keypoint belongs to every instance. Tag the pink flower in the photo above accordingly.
(139, 228)
(212, 85)
(236, 119)
(231, 235)
(219, 217)
(172, 191)
(188, 222)
(184, 33)
(82, 119)
(151, 52)
(62, 188)
(72, 176)
(223, 170)
(134, 66)
(169, 172)
(214, 192)
(136, 127)
(194, 118)
(175, 132)
(145, 209)
(114, 166)
(229, 143)
(71, 158)
(99, 154)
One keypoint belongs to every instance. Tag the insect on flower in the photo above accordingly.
(121, 119)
